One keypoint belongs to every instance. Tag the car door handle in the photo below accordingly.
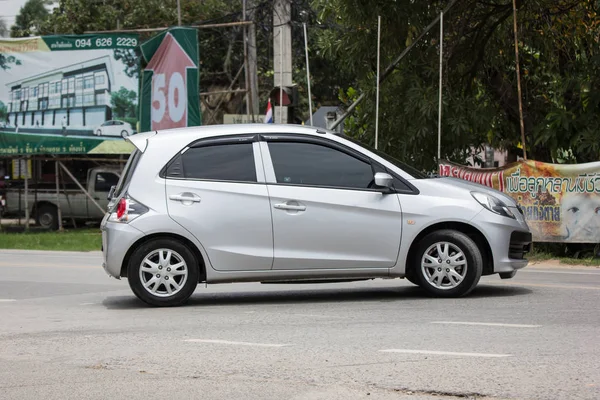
(185, 197)
(289, 207)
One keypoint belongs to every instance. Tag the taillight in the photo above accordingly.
(121, 208)
(127, 210)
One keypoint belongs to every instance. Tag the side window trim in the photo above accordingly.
(219, 141)
(292, 138)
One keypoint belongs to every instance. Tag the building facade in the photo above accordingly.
(76, 96)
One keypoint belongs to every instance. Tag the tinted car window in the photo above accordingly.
(104, 181)
(227, 162)
(316, 165)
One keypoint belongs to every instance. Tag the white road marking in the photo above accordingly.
(87, 304)
(235, 343)
(315, 316)
(544, 271)
(543, 285)
(486, 324)
(445, 353)
(6, 300)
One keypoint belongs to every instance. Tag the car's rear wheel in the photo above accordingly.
(163, 272)
(47, 216)
(124, 134)
(448, 264)
(98, 132)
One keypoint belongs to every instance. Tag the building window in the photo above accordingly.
(64, 86)
(71, 85)
(99, 79)
(78, 100)
(88, 100)
(58, 87)
(44, 104)
(100, 99)
(88, 82)
(46, 85)
(78, 83)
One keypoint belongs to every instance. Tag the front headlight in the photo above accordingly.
(493, 204)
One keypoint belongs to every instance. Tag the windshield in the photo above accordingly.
(403, 166)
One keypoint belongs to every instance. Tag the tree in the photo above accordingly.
(124, 103)
(3, 112)
(31, 16)
(560, 63)
(3, 28)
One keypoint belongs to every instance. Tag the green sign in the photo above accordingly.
(68, 94)
(15, 144)
(169, 94)
(90, 42)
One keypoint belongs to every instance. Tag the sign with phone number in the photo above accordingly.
(91, 42)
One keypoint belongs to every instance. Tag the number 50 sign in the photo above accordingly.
(170, 81)
(169, 102)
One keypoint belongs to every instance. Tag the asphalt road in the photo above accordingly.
(67, 331)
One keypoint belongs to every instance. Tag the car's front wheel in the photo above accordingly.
(163, 272)
(448, 264)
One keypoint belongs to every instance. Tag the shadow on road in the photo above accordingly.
(389, 294)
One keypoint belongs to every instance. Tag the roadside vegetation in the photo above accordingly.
(571, 254)
(69, 240)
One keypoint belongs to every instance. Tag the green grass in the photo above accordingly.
(69, 240)
(564, 255)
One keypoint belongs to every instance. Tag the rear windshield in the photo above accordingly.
(132, 162)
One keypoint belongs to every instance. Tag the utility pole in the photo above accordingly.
(252, 60)
(521, 122)
(282, 52)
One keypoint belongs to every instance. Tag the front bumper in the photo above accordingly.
(509, 239)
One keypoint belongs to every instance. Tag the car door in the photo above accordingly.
(326, 213)
(216, 190)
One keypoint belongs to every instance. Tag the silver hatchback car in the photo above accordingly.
(286, 203)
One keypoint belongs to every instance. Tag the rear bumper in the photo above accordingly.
(117, 239)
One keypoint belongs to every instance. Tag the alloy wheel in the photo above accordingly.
(163, 272)
(444, 265)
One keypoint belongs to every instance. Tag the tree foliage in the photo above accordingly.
(124, 103)
(31, 16)
(559, 49)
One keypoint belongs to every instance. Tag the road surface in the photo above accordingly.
(67, 331)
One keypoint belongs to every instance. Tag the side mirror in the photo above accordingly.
(111, 192)
(383, 180)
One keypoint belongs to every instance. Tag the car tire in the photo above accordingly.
(124, 134)
(452, 272)
(98, 132)
(46, 216)
(152, 272)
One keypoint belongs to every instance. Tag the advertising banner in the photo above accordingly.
(170, 78)
(68, 94)
(561, 202)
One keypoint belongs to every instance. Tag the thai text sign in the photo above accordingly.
(68, 94)
(561, 202)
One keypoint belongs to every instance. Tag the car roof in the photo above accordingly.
(188, 134)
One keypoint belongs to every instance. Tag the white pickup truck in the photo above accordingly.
(74, 204)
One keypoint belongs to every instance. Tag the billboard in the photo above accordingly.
(170, 80)
(68, 94)
(561, 202)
